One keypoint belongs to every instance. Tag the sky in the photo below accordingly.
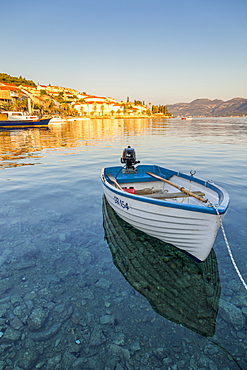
(157, 51)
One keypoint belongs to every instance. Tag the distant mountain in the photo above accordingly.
(210, 108)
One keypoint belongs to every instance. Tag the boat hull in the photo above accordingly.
(192, 229)
(27, 123)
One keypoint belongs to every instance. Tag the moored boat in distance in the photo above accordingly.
(57, 119)
(188, 118)
(144, 197)
(19, 119)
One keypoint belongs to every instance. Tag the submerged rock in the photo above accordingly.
(244, 310)
(107, 319)
(97, 337)
(6, 284)
(135, 346)
(103, 284)
(16, 323)
(47, 333)
(37, 318)
(23, 265)
(120, 355)
(28, 359)
(232, 314)
(52, 362)
(10, 335)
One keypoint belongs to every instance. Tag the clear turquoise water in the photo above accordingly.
(68, 299)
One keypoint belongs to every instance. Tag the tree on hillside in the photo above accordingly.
(39, 109)
(67, 110)
(43, 92)
(82, 112)
(21, 105)
(4, 106)
(160, 109)
(61, 97)
(155, 109)
(50, 107)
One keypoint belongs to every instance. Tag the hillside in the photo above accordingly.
(4, 77)
(210, 108)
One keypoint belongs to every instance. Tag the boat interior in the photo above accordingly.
(158, 189)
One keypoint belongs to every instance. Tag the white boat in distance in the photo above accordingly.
(57, 119)
(144, 197)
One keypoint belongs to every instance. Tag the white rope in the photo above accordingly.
(228, 247)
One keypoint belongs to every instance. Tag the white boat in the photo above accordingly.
(144, 197)
(57, 119)
(19, 119)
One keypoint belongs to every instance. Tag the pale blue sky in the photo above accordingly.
(158, 51)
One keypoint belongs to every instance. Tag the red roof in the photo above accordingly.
(96, 102)
(95, 96)
(33, 87)
(10, 88)
(10, 85)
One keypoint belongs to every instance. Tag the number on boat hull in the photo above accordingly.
(121, 203)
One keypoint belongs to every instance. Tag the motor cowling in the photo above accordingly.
(129, 157)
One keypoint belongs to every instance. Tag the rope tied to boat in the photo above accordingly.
(228, 246)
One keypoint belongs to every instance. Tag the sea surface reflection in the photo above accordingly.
(167, 277)
(80, 288)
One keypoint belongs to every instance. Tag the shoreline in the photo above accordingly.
(125, 116)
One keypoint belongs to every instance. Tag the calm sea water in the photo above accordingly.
(80, 289)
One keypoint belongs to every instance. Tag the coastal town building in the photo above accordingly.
(9, 92)
(98, 108)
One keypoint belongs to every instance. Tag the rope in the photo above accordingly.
(228, 246)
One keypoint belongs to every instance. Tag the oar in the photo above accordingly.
(178, 187)
(112, 178)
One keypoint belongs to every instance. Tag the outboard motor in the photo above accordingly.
(129, 158)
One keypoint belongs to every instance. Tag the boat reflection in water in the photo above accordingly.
(177, 287)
